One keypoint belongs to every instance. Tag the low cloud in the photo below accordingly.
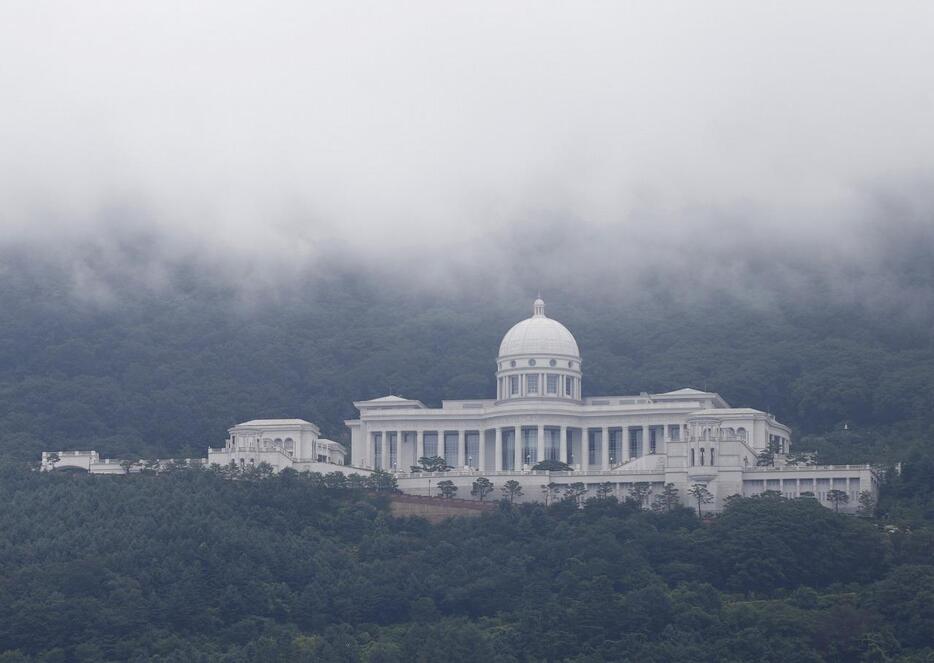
(530, 144)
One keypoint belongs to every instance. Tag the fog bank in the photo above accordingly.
(534, 143)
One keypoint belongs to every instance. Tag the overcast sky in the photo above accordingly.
(454, 131)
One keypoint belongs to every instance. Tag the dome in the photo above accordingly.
(539, 335)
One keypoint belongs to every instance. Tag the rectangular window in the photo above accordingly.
(635, 443)
(430, 443)
(553, 444)
(531, 384)
(616, 443)
(378, 451)
(529, 446)
(552, 383)
(674, 432)
(593, 448)
(473, 449)
(692, 458)
(450, 447)
(513, 384)
(509, 448)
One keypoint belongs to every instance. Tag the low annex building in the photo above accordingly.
(280, 443)
(685, 437)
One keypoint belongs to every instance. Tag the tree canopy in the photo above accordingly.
(194, 565)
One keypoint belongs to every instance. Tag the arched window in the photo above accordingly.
(702, 456)
(289, 444)
(692, 458)
(741, 433)
(711, 457)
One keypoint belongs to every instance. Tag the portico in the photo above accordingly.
(489, 445)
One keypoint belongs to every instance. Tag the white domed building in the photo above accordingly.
(684, 437)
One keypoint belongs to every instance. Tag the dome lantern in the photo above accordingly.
(538, 358)
(538, 308)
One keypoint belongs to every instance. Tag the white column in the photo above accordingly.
(481, 454)
(517, 448)
(605, 448)
(399, 446)
(419, 444)
(540, 446)
(367, 459)
(384, 450)
(585, 451)
(563, 445)
(461, 449)
(625, 435)
(645, 439)
(498, 451)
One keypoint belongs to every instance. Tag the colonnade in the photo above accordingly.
(574, 445)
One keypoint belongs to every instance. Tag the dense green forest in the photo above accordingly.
(189, 566)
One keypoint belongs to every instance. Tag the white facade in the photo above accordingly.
(281, 443)
(683, 437)
(89, 461)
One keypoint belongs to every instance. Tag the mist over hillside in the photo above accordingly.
(235, 211)
(134, 354)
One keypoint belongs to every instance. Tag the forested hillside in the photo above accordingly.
(164, 370)
(191, 566)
